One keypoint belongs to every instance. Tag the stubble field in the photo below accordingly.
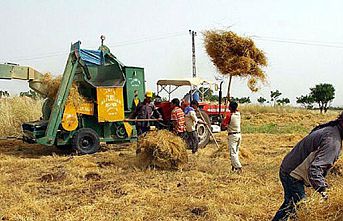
(42, 183)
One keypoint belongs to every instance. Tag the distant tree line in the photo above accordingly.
(321, 94)
(4, 94)
(31, 94)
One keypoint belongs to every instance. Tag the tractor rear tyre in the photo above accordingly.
(86, 141)
(203, 133)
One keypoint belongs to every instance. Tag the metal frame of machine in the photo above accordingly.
(107, 88)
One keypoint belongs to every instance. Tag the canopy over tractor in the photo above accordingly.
(171, 85)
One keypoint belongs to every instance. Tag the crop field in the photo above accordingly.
(45, 183)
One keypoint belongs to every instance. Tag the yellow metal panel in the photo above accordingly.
(86, 108)
(69, 120)
(110, 104)
(128, 129)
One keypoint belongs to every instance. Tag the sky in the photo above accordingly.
(303, 40)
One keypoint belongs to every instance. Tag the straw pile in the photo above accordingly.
(53, 85)
(16, 110)
(162, 149)
(314, 208)
(236, 56)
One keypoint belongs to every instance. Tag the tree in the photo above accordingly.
(274, 96)
(241, 100)
(323, 94)
(283, 101)
(31, 94)
(261, 100)
(208, 94)
(4, 94)
(306, 100)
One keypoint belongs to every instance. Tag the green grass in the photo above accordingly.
(272, 128)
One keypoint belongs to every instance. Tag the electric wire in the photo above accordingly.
(337, 45)
(118, 44)
(301, 42)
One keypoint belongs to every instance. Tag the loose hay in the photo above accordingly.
(314, 208)
(204, 190)
(162, 149)
(53, 177)
(16, 110)
(236, 56)
(53, 85)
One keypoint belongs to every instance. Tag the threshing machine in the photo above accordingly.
(107, 87)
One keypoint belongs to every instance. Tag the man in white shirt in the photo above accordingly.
(233, 124)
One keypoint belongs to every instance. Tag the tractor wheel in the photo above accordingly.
(203, 133)
(86, 141)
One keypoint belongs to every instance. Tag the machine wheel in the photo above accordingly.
(86, 141)
(203, 133)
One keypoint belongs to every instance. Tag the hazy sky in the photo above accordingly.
(303, 40)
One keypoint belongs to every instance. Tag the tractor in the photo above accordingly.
(108, 89)
(212, 112)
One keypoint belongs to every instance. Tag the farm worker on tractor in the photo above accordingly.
(177, 118)
(191, 120)
(144, 110)
(233, 124)
(308, 163)
(194, 94)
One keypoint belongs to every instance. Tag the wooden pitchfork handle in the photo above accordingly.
(209, 129)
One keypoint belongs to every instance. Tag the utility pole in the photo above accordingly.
(193, 33)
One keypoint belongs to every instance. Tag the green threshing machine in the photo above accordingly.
(108, 89)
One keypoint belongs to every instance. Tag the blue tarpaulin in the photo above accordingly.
(92, 57)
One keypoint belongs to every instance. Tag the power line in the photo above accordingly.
(338, 45)
(300, 42)
(118, 44)
(146, 40)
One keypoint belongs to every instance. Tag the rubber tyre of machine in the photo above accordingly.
(86, 141)
(203, 133)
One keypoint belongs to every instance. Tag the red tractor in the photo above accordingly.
(210, 113)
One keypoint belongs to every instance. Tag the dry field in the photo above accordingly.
(42, 183)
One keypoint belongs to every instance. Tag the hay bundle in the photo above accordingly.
(236, 56)
(53, 85)
(162, 149)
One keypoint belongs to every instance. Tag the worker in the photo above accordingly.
(232, 123)
(135, 100)
(144, 110)
(190, 121)
(187, 97)
(196, 95)
(177, 118)
(308, 163)
(191, 95)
